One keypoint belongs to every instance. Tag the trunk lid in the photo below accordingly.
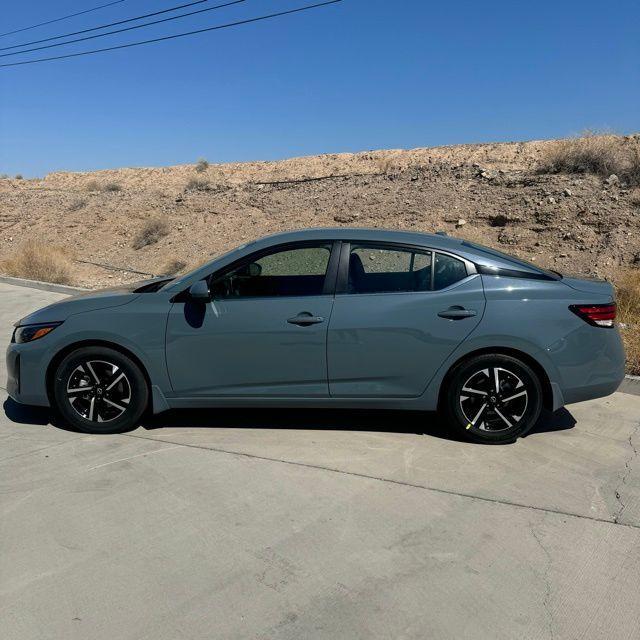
(592, 286)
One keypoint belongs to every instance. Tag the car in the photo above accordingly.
(349, 318)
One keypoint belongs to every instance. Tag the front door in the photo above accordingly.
(263, 333)
(401, 313)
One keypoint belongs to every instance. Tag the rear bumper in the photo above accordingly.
(591, 363)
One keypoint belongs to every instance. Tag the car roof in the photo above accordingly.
(437, 241)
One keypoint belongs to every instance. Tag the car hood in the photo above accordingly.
(86, 301)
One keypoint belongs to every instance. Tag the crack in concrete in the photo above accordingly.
(628, 463)
(546, 601)
(510, 503)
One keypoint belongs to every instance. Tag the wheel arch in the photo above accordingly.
(539, 370)
(67, 349)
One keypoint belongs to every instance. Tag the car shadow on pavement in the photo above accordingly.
(417, 422)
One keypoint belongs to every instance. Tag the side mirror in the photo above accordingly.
(199, 291)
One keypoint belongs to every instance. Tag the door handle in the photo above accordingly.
(305, 319)
(457, 313)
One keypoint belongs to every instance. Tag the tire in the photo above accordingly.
(100, 390)
(475, 410)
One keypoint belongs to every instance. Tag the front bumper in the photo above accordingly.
(26, 375)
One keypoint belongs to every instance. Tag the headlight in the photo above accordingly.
(31, 332)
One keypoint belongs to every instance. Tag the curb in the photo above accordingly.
(43, 286)
(631, 385)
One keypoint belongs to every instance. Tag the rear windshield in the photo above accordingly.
(519, 261)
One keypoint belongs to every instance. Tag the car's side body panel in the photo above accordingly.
(392, 344)
(246, 347)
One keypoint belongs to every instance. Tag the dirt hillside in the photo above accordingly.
(491, 193)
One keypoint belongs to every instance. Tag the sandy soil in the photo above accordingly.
(489, 193)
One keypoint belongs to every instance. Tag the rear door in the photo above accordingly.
(399, 312)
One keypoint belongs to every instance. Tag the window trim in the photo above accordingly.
(330, 276)
(342, 283)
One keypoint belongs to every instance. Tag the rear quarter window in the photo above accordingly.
(447, 271)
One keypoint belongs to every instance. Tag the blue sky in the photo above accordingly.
(362, 74)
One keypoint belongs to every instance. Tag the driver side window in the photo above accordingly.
(290, 272)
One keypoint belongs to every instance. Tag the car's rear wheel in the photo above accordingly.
(493, 398)
(100, 390)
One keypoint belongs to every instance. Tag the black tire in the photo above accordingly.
(478, 412)
(100, 390)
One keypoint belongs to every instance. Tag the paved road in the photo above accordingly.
(303, 525)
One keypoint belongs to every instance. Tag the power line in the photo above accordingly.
(110, 33)
(105, 26)
(177, 35)
(71, 15)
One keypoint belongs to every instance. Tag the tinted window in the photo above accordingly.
(448, 271)
(292, 272)
(381, 270)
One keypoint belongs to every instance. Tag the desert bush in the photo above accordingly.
(108, 187)
(19, 176)
(202, 165)
(385, 164)
(39, 261)
(173, 266)
(600, 154)
(152, 231)
(634, 198)
(628, 300)
(77, 204)
(197, 184)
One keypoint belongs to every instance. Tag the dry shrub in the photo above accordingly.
(77, 204)
(385, 164)
(634, 198)
(19, 176)
(152, 231)
(172, 267)
(202, 165)
(197, 184)
(628, 300)
(600, 154)
(39, 261)
(109, 187)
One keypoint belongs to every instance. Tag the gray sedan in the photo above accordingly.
(351, 318)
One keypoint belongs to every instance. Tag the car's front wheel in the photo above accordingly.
(100, 390)
(493, 398)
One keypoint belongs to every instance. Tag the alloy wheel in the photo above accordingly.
(493, 399)
(99, 391)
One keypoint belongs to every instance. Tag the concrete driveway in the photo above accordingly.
(316, 524)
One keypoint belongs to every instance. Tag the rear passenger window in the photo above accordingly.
(388, 270)
(447, 271)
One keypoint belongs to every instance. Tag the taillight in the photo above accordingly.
(599, 315)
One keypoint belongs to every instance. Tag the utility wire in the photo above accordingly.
(71, 15)
(177, 35)
(110, 33)
(106, 26)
